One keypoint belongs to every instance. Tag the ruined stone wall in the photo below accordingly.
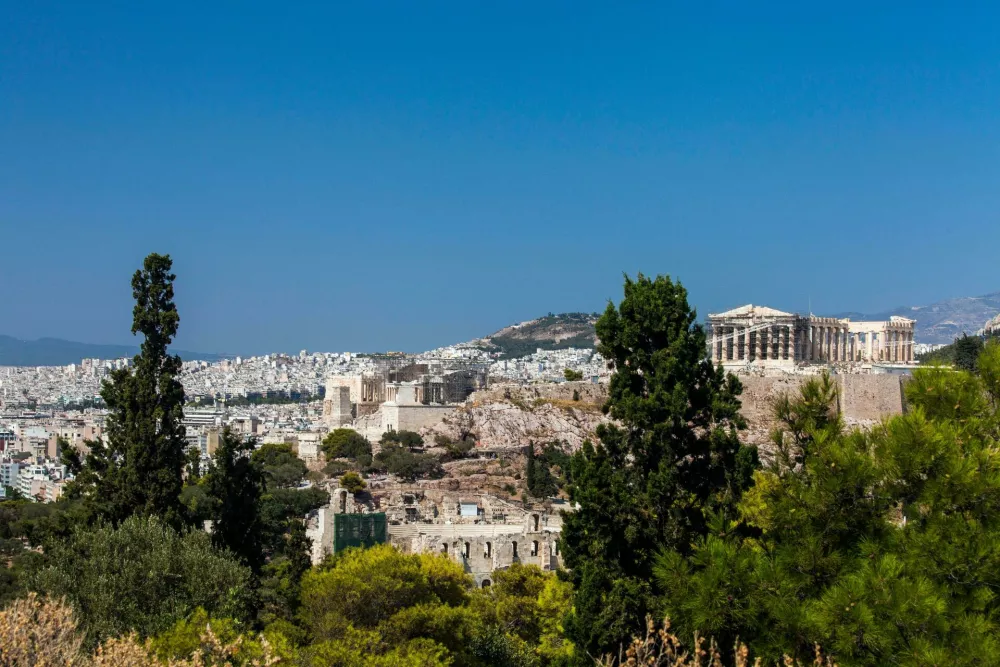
(864, 399)
(481, 549)
(413, 417)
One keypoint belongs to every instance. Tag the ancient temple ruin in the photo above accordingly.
(399, 381)
(764, 336)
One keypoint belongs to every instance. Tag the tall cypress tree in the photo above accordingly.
(138, 467)
(236, 482)
(670, 464)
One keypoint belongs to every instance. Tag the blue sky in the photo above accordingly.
(404, 175)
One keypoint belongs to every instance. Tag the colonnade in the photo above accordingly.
(892, 345)
(734, 343)
(809, 342)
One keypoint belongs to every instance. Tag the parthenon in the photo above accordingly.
(761, 335)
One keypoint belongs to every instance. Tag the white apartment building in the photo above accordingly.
(9, 473)
(31, 480)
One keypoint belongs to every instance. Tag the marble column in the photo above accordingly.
(746, 344)
(783, 343)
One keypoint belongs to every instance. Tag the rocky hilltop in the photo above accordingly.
(944, 321)
(512, 416)
(552, 332)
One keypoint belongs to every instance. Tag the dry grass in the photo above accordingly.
(41, 632)
(661, 648)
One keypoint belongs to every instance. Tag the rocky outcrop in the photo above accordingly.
(512, 416)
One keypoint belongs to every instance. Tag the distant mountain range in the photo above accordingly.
(943, 321)
(58, 352)
(940, 322)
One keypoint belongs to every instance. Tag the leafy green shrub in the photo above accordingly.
(143, 576)
(352, 482)
(400, 461)
(409, 439)
(282, 468)
(345, 443)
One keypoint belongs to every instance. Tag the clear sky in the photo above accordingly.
(381, 175)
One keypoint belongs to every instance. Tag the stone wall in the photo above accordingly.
(864, 399)
(419, 418)
(414, 417)
(481, 549)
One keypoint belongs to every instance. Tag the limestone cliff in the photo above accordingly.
(508, 416)
(511, 416)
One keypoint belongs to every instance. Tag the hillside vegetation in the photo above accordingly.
(552, 332)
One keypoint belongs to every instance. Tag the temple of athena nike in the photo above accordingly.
(771, 338)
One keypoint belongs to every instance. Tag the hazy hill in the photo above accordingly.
(552, 332)
(58, 352)
(943, 321)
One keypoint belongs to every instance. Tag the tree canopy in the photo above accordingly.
(348, 444)
(236, 483)
(143, 576)
(669, 468)
(137, 468)
(882, 546)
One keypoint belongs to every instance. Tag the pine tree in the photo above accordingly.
(967, 350)
(670, 464)
(882, 546)
(236, 482)
(138, 468)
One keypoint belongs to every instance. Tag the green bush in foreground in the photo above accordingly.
(143, 576)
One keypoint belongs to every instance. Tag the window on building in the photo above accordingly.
(514, 545)
(468, 550)
(486, 582)
(488, 553)
(534, 522)
(444, 548)
(534, 548)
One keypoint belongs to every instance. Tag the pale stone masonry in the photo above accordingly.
(765, 336)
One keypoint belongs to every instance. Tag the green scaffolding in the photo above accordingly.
(358, 530)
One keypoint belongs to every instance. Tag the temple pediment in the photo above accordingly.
(751, 310)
